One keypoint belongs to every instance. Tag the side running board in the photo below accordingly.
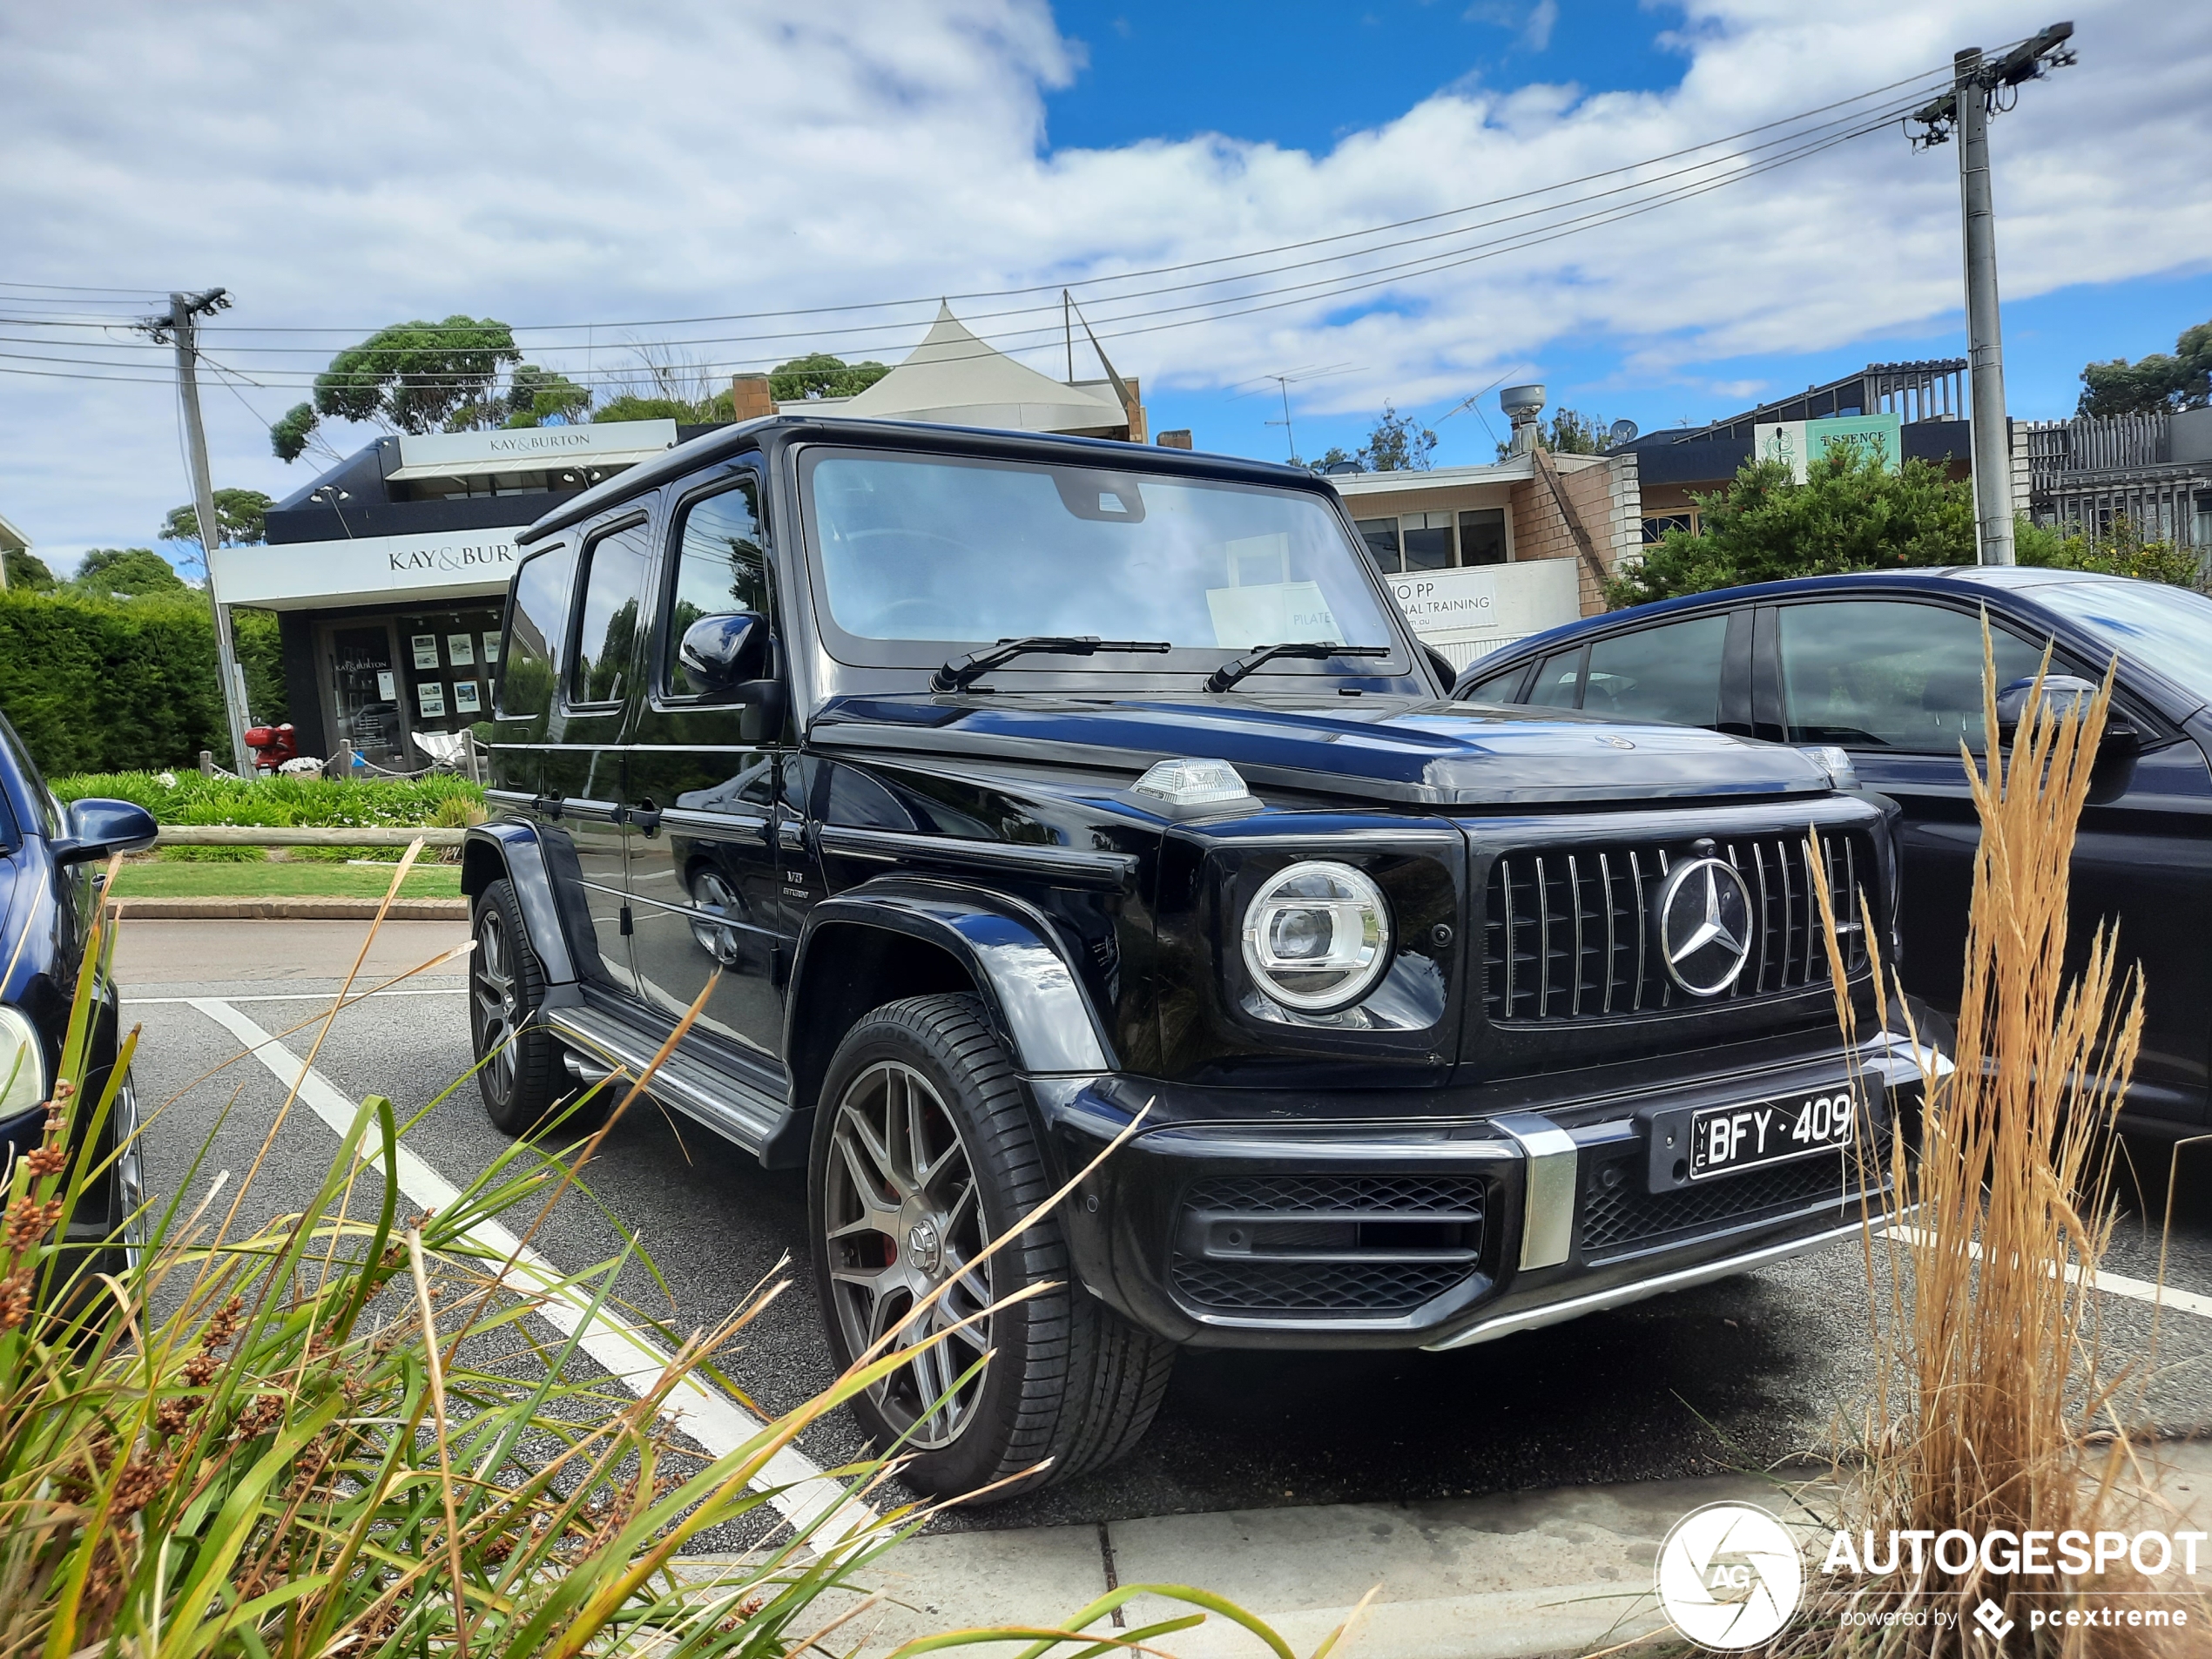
(737, 1110)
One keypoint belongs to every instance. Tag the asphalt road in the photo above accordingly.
(1729, 1376)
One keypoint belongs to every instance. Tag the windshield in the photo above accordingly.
(2167, 630)
(950, 552)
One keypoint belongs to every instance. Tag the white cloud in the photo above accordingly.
(1536, 33)
(559, 162)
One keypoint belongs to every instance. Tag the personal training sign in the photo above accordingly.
(1496, 602)
(299, 576)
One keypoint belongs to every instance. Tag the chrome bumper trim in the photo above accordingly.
(1535, 1319)
(1548, 1188)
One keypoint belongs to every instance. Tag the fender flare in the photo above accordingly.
(1013, 955)
(519, 853)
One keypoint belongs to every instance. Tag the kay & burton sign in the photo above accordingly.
(312, 574)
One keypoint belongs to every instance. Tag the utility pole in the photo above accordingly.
(179, 329)
(1976, 87)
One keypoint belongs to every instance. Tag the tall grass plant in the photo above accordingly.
(345, 1429)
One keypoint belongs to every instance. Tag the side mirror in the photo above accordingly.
(718, 655)
(2061, 692)
(98, 829)
(764, 704)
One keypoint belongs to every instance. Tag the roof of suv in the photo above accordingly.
(906, 434)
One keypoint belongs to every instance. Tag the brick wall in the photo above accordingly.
(1607, 499)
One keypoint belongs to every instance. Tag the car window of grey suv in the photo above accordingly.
(957, 550)
(721, 568)
(606, 630)
(1890, 673)
(530, 658)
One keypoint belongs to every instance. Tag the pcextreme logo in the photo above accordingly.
(1730, 1576)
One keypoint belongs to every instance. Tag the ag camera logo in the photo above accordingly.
(1730, 1576)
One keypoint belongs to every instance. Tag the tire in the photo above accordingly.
(521, 1073)
(1071, 1385)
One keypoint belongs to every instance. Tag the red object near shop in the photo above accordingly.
(272, 744)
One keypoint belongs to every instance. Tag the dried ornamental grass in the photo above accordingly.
(1993, 1408)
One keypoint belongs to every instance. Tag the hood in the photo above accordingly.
(1382, 748)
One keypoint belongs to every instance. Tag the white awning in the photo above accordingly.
(954, 378)
(366, 570)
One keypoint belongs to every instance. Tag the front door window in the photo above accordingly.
(1890, 674)
(365, 694)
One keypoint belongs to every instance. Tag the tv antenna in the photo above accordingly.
(1282, 384)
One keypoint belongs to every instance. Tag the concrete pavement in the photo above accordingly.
(1499, 1495)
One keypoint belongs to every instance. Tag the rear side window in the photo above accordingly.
(1559, 681)
(530, 657)
(1670, 673)
(721, 566)
(606, 629)
(1890, 674)
(1499, 688)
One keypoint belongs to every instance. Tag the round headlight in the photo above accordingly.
(23, 1064)
(1317, 936)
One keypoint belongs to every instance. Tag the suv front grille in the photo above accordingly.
(1327, 1246)
(1568, 932)
(1619, 1215)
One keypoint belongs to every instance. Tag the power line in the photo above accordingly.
(1054, 288)
(848, 339)
(1306, 293)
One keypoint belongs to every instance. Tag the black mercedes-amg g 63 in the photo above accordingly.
(1004, 787)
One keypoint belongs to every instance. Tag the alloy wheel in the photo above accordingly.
(492, 975)
(904, 1219)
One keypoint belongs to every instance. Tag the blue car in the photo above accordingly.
(1886, 668)
(50, 858)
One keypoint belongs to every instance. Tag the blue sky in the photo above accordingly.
(1305, 74)
(721, 162)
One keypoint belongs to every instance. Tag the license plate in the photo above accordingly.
(1726, 1139)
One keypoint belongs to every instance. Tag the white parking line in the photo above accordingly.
(711, 1418)
(131, 1001)
(2135, 1289)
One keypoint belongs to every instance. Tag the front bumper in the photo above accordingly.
(1400, 1222)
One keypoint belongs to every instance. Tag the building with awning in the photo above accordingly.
(388, 574)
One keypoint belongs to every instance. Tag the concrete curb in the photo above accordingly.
(306, 909)
(1539, 1575)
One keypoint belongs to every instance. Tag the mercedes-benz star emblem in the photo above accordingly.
(1704, 917)
(923, 1247)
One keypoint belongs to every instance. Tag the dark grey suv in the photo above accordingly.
(997, 789)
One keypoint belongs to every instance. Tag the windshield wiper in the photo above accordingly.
(962, 672)
(1229, 673)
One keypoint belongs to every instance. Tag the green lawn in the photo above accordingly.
(169, 879)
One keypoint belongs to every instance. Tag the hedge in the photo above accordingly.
(116, 685)
(191, 797)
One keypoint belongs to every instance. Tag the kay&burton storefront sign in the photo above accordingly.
(301, 575)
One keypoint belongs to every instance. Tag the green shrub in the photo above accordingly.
(2121, 551)
(109, 684)
(190, 797)
(1850, 514)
